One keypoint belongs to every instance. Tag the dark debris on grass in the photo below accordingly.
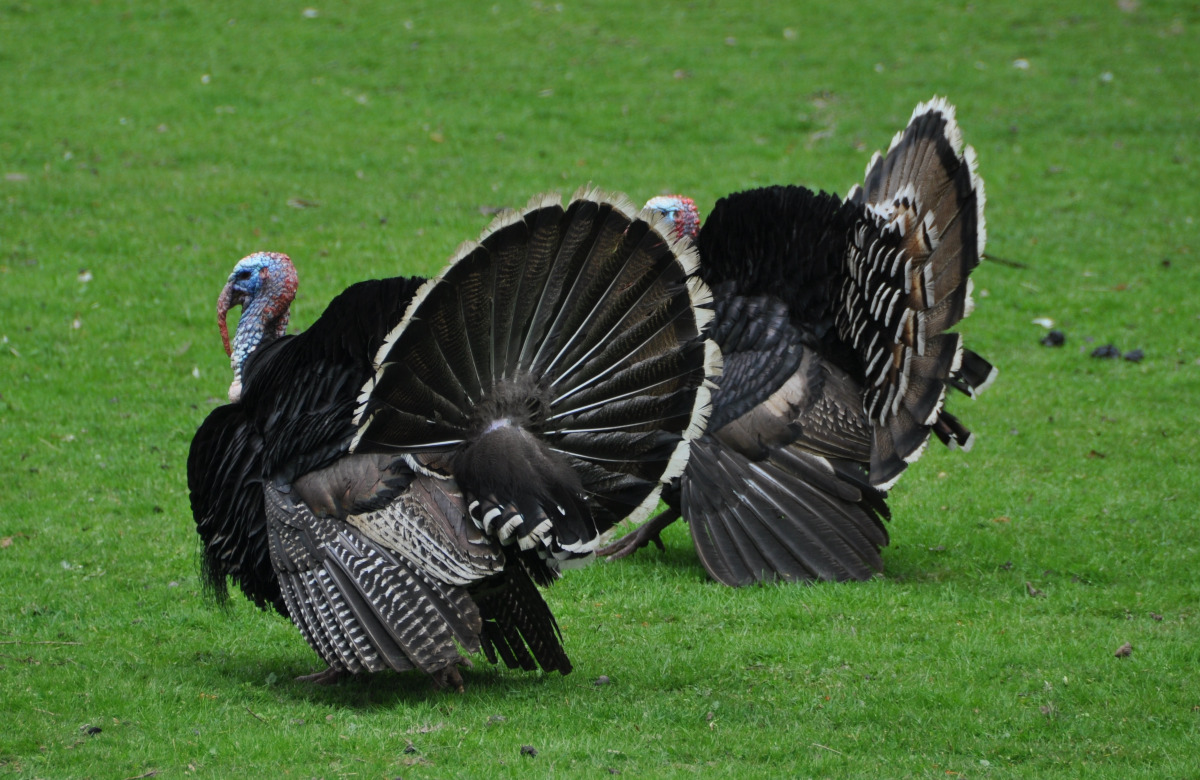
(1111, 352)
(1057, 338)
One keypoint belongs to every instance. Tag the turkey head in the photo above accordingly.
(264, 285)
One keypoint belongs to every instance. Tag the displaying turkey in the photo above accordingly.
(832, 317)
(398, 477)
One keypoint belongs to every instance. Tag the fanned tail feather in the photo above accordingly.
(908, 282)
(974, 374)
(556, 367)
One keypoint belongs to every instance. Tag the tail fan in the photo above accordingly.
(908, 282)
(556, 368)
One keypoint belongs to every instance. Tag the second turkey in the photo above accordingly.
(833, 316)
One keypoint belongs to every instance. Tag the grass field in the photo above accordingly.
(146, 145)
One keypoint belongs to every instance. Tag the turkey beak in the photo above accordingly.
(223, 303)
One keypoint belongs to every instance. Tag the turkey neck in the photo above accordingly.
(264, 319)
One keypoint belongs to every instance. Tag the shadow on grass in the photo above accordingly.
(371, 691)
(912, 565)
(675, 557)
(901, 563)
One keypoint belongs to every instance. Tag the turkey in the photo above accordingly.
(398, 478)
(832, 317)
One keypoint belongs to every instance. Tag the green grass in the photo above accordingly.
(151, 143)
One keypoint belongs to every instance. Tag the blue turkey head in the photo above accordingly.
(680, 211)
(264, 285)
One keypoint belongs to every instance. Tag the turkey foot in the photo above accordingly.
(327, 677)
(643, 535)
(449, 677)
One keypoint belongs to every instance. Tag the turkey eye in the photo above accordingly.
(242, 276)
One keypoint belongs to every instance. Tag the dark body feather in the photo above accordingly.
(831, 317)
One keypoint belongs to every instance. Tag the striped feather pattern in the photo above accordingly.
(416, 527)
(358, 606)
(907, 281)
(419, 614)
(518, 626)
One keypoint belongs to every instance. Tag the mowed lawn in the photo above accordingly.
(146, 145)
